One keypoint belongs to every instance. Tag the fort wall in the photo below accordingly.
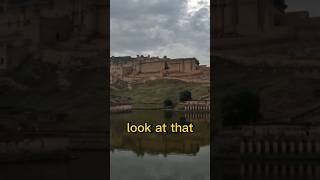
(261, 27)
(150, 68)
(53, 25)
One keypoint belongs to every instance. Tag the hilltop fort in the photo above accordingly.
(55, 31)
(142, 68)
(251, 31)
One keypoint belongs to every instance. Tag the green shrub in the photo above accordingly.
(185, 95)
(168, 103)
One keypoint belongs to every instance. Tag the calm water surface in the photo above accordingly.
(159, 156)
(89, 166)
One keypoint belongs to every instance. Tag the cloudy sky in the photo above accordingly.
(175, 28)
(312, 6)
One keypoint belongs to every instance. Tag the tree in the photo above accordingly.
(240, 109)
(168, 103)
(185, 95)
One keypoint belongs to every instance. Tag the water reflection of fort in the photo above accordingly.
(285, 170)
(279, 145)
(158, 144)
(161, 143)
(197, 116)
(260, 170)
(272, 140)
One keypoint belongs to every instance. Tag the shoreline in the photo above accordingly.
(159, 109)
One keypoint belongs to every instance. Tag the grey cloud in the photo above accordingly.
(159, 27)
(312, 6)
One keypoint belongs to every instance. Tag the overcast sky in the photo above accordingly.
(175, 28)
(313, 6)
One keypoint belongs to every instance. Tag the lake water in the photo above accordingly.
(157, 156)
(89, 166)
(161, 157)
(187, 156)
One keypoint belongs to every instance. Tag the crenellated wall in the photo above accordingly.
(148, 68)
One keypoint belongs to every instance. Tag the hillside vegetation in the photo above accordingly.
(156, 91)
(77, 94)
(284, 96)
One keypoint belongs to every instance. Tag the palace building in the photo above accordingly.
(149, 68)
(263, 30)
(56, 31)
(247, 17)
